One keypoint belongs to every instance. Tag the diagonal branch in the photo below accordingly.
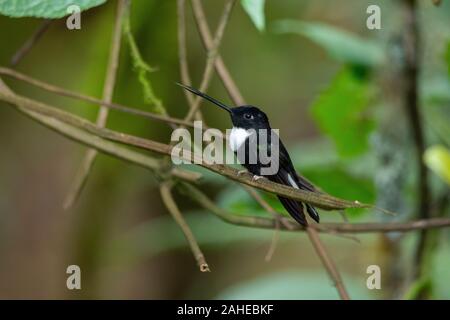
(212, 56)
(94, 141)
(238, 100)
(331, 228)
(102, 116)
(320, 200)
(208, 43)
(28, 45)
(182, 49)
(75, 95)
(59, 120)
(328, 262)
(166, 195)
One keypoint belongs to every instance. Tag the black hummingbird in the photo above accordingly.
(247, 120)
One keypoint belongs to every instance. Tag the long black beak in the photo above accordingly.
(205, 96)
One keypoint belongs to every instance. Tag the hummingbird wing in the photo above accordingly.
(288, 176)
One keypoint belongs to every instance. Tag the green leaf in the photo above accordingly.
(342, 45)
(43, 8)
(338, 112)
(255, 10)
(437, 158)
(142, 69)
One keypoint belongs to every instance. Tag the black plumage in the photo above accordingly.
(247, 121)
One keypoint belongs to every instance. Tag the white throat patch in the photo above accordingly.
(237, 138)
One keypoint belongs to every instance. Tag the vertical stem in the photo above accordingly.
(108, 90)
(411, 71)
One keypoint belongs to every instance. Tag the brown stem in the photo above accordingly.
(328, 262)
(108, 90)
(182, 49)
(212, 55)
(208, 43)
(75, 95)
(331, 228)
(166, 195)
(320, 200)
(29, 44)
(411, 99)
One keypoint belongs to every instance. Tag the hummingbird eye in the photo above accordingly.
(248, 116)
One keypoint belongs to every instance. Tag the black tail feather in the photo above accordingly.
(295, 209)
(312, 212)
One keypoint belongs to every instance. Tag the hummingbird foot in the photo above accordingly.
(256, 178)
(241, 172)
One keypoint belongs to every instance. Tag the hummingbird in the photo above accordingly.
(247, 120)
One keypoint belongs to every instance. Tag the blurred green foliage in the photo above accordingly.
(255, 10)
(339, 112)
(119, 221)
(341, 45)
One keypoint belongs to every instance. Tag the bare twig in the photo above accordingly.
(102, 116)
(182, 52)
(331, 228)
(237, 98)
(71, 94)
(208, 43)
(320, 200)
(411, 100)
(166, 195)
(212, 57)
(328, 263)
(102, 145)
(28, 45)
(57, 119)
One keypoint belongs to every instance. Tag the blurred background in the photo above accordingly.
(334, 88)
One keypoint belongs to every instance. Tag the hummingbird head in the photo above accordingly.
(246, 117)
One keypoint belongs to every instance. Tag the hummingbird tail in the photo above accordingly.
(312, 212)
(295, 209)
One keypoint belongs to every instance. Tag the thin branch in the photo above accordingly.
(182, 52)
(75, 95)
(320, 200)
(328, 263)
(55, 117)
(108, 90)
(102, 145)
(28, 45)
(238, 100)
(212, 54)
(208, 43)
(411, 100)
(331, 228)
(166, 195)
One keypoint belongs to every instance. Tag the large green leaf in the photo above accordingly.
(255, 10)
(339, 113)
(43, 8)
(342, 45)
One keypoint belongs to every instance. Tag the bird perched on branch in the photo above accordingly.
(247, 144)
